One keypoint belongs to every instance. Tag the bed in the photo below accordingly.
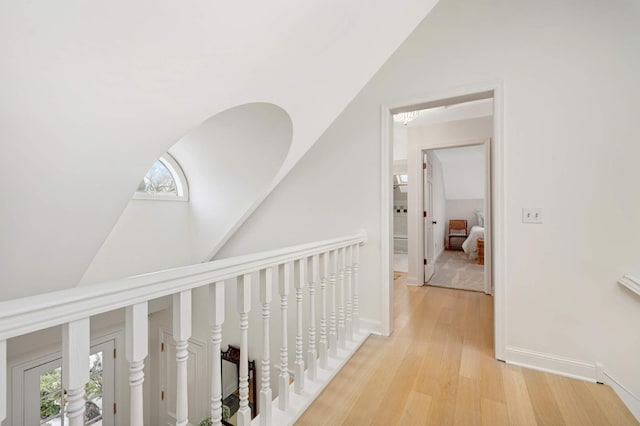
(470, 245)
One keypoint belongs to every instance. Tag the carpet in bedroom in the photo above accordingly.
(455, 270)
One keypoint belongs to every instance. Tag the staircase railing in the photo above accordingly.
(330, 265)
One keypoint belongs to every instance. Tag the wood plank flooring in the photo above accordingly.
(438, 369)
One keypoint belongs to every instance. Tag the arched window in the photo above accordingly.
(165, 180)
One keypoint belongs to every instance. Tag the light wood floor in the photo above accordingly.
(438, 369)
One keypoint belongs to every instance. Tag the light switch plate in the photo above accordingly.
(531, 215)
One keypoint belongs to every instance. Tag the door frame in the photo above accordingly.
(418, 192)
(450, 96)
(18, 402)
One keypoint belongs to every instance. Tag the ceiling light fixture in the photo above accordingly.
(405, 117)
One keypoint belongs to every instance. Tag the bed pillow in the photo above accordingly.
(480, 217)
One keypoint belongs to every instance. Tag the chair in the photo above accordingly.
(457, 229)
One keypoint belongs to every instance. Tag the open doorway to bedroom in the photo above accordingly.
(441, 172)
(462, 117)
(454, 188)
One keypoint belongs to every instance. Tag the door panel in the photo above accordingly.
(196, 381)
(429, 240)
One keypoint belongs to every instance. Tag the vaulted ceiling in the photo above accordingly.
(94, 92)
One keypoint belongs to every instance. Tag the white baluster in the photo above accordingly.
(266, 288)
(298, 384)
(244, 306)
(356, 288)
(75, 367)
(312, 362)
(348, 283)
(333, 332)
(323, 348)
(341, 317)
(286, 275)
(216, 319)
(3, 380)
(181, 335)
(137, 347)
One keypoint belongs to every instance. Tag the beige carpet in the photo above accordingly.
(455, 270)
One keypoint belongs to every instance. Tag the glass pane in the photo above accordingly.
(158, 180)
(53, 402)
(51, 397)
(404, 178)
(93, 391)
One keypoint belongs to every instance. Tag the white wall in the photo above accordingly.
(570, 148)
(229, 166)
(464, 209)
(94, 93)
(464, 171)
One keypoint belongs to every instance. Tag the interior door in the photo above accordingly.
(44, 398)
(197, 376)
(429, 220)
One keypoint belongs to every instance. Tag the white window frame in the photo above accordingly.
(179, 177)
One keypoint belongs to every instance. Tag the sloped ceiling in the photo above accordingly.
(93, 92)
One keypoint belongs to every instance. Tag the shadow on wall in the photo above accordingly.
(229, 161)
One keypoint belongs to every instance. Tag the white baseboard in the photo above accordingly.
(582, 370)
(373, 326)
(630, 400)
(551, 363)
(413, 281)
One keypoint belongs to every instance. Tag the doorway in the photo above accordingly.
(45, 398)
(493, 251)
(455, 204)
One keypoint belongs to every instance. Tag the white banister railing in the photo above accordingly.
(181, 335)
(216, 319)
(266, 289)
(299, 364)
(330, 265)
(75, 367)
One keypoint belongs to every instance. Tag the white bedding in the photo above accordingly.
(470, 245)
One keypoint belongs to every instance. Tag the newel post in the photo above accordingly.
(266, 289)
(75, 367)
(137, 348)
(216, 319)
(181, 335)
(244, 306)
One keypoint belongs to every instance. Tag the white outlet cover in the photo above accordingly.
(531, 215)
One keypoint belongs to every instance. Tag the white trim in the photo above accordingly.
(631, 283)
(182, 185)
(454, 95)
(18, 370)
(386, 220)
(417, 190)
(28, 314)
(631, 400)
(549, 363)
(374, 326)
